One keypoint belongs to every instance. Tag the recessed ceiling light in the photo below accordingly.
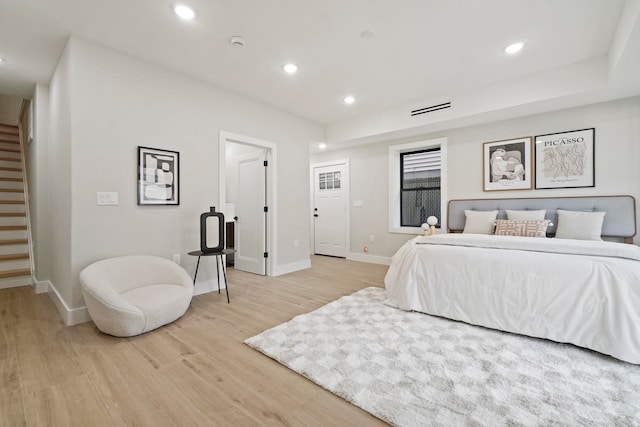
(322, 146)
(184, 12)
(349, 99)
(514, 48)
(290, 68)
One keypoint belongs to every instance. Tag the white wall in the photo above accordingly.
(37, 176)
(118, 103)
(58, 183)
(10, 109)
(617, 151)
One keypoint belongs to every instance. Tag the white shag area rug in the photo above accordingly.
(412, 369)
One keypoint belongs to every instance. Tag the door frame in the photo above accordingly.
(347, 193)
(272, 215)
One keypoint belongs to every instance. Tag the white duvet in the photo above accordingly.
(580, 292)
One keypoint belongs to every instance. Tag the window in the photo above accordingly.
(329, 181)
(417, 184)
(419, 187)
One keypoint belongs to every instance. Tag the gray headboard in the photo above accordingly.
(620, 220)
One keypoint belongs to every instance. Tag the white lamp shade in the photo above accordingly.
(432, 220)
(425, 226)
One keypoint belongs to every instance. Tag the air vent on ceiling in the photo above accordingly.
(430, 109)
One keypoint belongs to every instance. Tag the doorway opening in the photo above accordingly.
(247, 193)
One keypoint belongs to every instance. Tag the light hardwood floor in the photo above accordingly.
(193, 372)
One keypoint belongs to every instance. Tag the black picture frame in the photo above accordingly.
(507, 164)
(158, 176)
(565, 159)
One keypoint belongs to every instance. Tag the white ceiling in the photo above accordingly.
(422, 49)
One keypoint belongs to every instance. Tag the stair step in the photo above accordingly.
(8, 257)
(5, 214)
(10, 150)
(10, 159)
(9, 135)
(15, 273)
(6, 178)
(8, 128)
(11, 190)
(12, 227)
(4, 139)
(2, 168)
(13, 241)
(11, 202)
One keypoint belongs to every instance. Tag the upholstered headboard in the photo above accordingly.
(619, 221)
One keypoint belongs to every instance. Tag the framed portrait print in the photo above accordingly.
(507, 165)
(565, 159)
(158, 177)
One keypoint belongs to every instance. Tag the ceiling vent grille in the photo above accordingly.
(430, 109)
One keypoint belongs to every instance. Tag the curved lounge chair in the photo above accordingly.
(130, 295)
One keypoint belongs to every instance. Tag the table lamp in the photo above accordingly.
(432, 221)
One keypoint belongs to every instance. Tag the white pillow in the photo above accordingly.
(526, 215)
(480, 222)
(579, 225)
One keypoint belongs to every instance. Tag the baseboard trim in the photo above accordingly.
(371, 259)
(292, 267)
(70, 316)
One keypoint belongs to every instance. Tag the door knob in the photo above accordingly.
(235, 218)
(315, 215)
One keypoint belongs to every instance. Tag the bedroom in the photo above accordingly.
(104, 103)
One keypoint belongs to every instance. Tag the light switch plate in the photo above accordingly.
(104, 198)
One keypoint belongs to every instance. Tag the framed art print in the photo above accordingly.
(506, 165)
(158, 177)
(565, 159)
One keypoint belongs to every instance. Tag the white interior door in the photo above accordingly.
(330, 210)
(250, 227)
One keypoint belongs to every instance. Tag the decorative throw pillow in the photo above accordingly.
(479, 222)
(526, 215)
(525, 228)
(579, 225)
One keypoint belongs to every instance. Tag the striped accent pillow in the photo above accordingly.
(530, 228)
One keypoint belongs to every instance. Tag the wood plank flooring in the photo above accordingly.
(195, 371)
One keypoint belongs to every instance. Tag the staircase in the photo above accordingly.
(15, 265)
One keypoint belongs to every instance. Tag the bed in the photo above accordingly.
(583, 292)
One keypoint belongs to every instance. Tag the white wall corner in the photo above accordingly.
(371, 259)
(279, 270)
(70, 316)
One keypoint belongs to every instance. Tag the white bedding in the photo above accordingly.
(581, 292)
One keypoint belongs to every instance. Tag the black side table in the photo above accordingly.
(218, 255)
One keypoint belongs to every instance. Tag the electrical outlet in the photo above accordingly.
(372, 238)
(176, 258)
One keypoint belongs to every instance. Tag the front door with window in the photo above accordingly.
(330, 210)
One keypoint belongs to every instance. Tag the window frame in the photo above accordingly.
(403, 190)
(395, 182)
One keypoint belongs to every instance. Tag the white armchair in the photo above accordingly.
(130, 295)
